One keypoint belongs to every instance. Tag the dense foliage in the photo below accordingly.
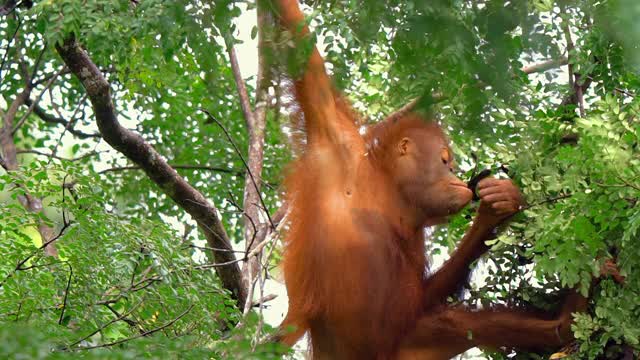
(130, 278)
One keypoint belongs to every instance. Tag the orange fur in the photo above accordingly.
(355, 260)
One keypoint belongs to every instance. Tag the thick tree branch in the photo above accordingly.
(255, 127)
(245, 103)
(144, 155)
(545, 65)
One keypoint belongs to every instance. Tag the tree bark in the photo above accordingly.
(10, 159)
(256, 227)
(134, 147)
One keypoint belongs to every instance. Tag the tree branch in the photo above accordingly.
(154, 165)
(186, 167)
(245, 103)
(51, 119)
(105, 325)
(146, 333)
(6, 50)
(66, 293)
(3, 164)
(45, 244)
(545, 65)
(8, 146)
(36, 152)
(574, 78)
(252, 196)
(30, 109)
(6, 135)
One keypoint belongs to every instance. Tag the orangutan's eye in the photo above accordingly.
(445, 156)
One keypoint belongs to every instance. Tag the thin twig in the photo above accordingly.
(70, 124)
(104, 326)
(561, 197)
(175, 166)
(263, 300)
(52, 119)
(20, 264)
(129, 322)
(204, 248)
(215, 265)
(244, 162)
(146, 333)
(36, 152)
(627, 182)
(66, 293)
(4, 164)
(36, 101)
(36, 65)
(6, 50)
(244, 213)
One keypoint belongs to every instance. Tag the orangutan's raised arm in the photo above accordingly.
(314, 90)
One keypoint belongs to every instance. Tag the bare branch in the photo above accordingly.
(36, 152)
(180, 166)
(399, 113)
(545, 65)
(546, 201)
(107, 324)
(245, 104)
(264, 300)
(146, 333)
(244, 162)
(20, 266)
(37, 100)
(72, 122)
(36, 65)
(134, 147)
(3, 164)
(254, 229)
(66, 293)
(51, 119)
(6, 50)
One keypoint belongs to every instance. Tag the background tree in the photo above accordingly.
(127, 125)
